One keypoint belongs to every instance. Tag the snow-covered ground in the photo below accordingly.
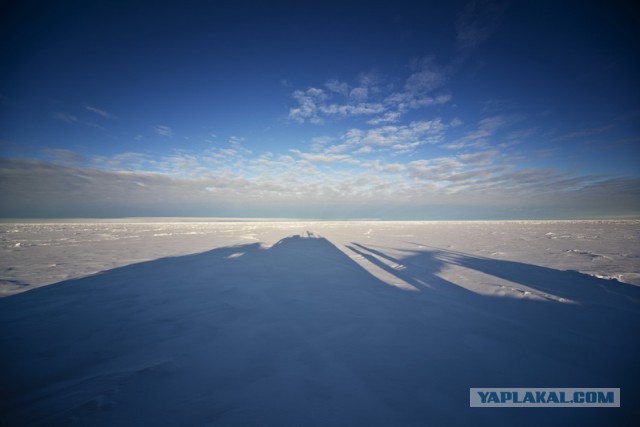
(313, 323)
(35, 254)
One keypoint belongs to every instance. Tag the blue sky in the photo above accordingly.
(390, 110)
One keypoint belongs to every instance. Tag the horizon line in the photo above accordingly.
(165, 219)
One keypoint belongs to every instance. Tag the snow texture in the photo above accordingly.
(314, 324)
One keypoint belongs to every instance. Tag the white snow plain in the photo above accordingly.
(314, 323)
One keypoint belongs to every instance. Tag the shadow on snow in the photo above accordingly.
(300, 334)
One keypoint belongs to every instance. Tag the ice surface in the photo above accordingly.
(318, 323)
(35, 254)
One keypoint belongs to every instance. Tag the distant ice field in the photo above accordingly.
(41, 253)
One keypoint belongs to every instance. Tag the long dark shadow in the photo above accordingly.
(594, 322)
(571, 285)
(300, 334)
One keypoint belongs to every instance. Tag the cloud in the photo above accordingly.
(417, 92)
(64, 156)
(462, 180)
(479, 180)
(478, 20)
(369, 97)
(426, 77)
(585, 132)
(102, 113)
(71, 119)
(314, 104)
(404, 101)
(520, 134)
(370, 79)
(359, 94)
(434, 169)
(324, 158)
(363, 108)
(308, 105)
(281, 183)
(478, 137)
(455, 122)
(388, 167)
(164, 131)
(53, 190)
(461, 170)
(68, 118)
(479, 158)
(183, 162)
(388, 117)
(397, 138)
(183, 165)
(268, 162)
(393, 168)
(122, 161)
(237, 147)
(336, 86)
(319, 143)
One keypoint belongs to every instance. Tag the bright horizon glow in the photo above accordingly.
(402, 111)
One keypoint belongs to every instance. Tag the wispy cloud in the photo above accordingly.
(286, 183)
(100, 112)
(388, 117)
(236, 143)
(479, 136)
(435, 169)
(396, 138)
(68, 118)
(586, 132)
(423, 87)
(71, 119)
(324, 158)
(315, 105)
(64, 156)
(427, 76)
(163, 130)
(477, 22)
(370, 96)
(320, 143)
(481, 158)
(407, 100)
(517, 136)
(464, 172)
(268, 162)
(388, 167)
